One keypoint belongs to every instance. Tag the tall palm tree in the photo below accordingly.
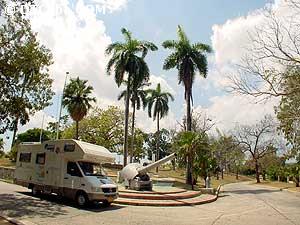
(188, 58)
(138, 99)
(158, 107)
(128, 59)
(77, 100)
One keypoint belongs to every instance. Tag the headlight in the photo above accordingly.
(96, 189)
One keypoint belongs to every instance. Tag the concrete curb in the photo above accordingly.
(218, 190)
(153, 192)
(184, 195)
(277, 188)
(175, 202)
(166, 204)
(11, 220)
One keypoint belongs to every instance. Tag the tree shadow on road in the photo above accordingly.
(18, 206)
(23, 204)
(256, 191)
(221, 195)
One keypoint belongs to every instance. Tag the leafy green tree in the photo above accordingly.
(138, 148)
(138, 99)
(25, 84)
(165, 144)
(31, 135)
(52, 126)
(271, 160)
(1, 147)
(102, 127)
(158, 107)
(187, 58)
(289, 110)
(227, 152)
(77, 99)
(237, 161)
(294, 171)
(128, 58)
(195, 146)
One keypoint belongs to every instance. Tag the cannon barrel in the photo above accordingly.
(156, 164)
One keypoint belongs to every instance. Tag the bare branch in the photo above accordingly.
(275, 46)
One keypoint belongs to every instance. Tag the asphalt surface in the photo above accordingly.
(239, 203)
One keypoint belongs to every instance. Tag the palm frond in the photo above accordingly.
(201, 63)
(202, 47)
(122, 95)
(127, 34)
(170, 44)
(171, 61)
(114, 47)
(181, 35)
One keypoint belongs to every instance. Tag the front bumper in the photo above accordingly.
(101, 197)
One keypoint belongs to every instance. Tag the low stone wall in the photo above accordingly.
(7, 173)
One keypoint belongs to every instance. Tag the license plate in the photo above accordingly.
(110, 199)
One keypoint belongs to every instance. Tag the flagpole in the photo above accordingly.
(41, 133)
(60, 107)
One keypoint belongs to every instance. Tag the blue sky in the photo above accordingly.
(77, 37)
(157, 21)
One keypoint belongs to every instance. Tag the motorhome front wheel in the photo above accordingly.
(81, 199)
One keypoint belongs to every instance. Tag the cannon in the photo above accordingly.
(136, 177)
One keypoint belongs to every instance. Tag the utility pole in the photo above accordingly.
(60, 108)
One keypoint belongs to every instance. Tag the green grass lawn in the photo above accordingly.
(6, 162)
(179, 175)
(228, 178)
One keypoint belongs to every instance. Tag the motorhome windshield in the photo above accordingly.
(91, 169)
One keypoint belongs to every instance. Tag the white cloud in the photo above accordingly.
(148, 125)
(231, 42)
(77, 40)
(229, 110)
(40, 119)
(154, 80)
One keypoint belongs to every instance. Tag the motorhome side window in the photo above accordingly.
(25, 157)
(73, 169)
(40, 158)
(69, 147)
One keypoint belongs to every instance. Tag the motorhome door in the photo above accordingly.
(73, 176)
(53, 169)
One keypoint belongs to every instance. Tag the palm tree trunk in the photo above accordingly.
(188, 128)
(157, 141)
(77, 128)
(188, 111)
(125, 144)
(132, 133)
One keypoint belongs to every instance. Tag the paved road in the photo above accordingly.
(239, 204)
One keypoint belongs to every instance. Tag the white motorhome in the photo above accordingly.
(68, 168)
